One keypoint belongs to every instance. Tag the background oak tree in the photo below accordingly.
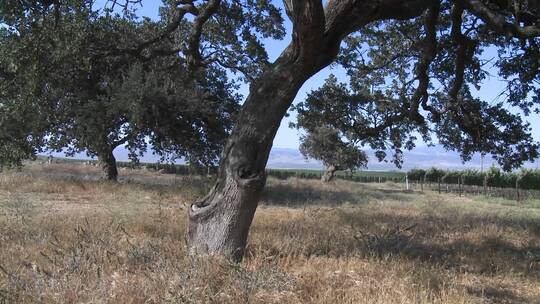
(361, 117)
(325, 144)
(91, 100)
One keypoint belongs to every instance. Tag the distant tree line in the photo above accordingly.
(179, 169)
(282, 174)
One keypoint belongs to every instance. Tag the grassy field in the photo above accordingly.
(358, 176)
(66, 237)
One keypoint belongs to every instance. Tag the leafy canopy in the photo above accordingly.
(80, 86)
(418, 77)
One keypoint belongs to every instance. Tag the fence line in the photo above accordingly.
(460, 189)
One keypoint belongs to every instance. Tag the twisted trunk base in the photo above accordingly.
(219, 223)
(329, 174)
(107, 162)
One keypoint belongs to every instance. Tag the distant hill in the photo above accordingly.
(286, 158)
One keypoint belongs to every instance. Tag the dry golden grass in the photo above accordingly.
(66, 237)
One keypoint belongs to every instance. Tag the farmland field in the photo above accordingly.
(66, 237)
(365, 176)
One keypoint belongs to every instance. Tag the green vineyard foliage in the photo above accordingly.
(526, 179)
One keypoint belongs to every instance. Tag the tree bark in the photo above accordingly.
(107, 162)
(329, 174)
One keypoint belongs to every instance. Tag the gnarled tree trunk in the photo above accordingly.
(220, 222)
(329, 174)
(108, 164)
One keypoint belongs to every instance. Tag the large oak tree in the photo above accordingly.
(228, 33)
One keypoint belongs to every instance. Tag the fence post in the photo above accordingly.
(485, 185)
(517, 189)
(407, 181)
(439, 185)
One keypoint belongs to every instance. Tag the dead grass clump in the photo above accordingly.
(391, 241)
(17, 207)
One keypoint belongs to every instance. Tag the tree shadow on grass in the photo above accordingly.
(496, 295)
(291, 196)
(447, 242)
(487, 257)
(388, 194)
(432, 223)
(443, 244)
(287, 194)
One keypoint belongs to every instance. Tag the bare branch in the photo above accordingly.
(373, 68)
(186, 7)
(243, 70)
(364, 132)
(124, 5)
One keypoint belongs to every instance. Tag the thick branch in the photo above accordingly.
(346, 16)
(194, 40)
(422, 67)
(464, 54)
(308, 26)
(497, 22)
(171, 27)
(461, 43)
